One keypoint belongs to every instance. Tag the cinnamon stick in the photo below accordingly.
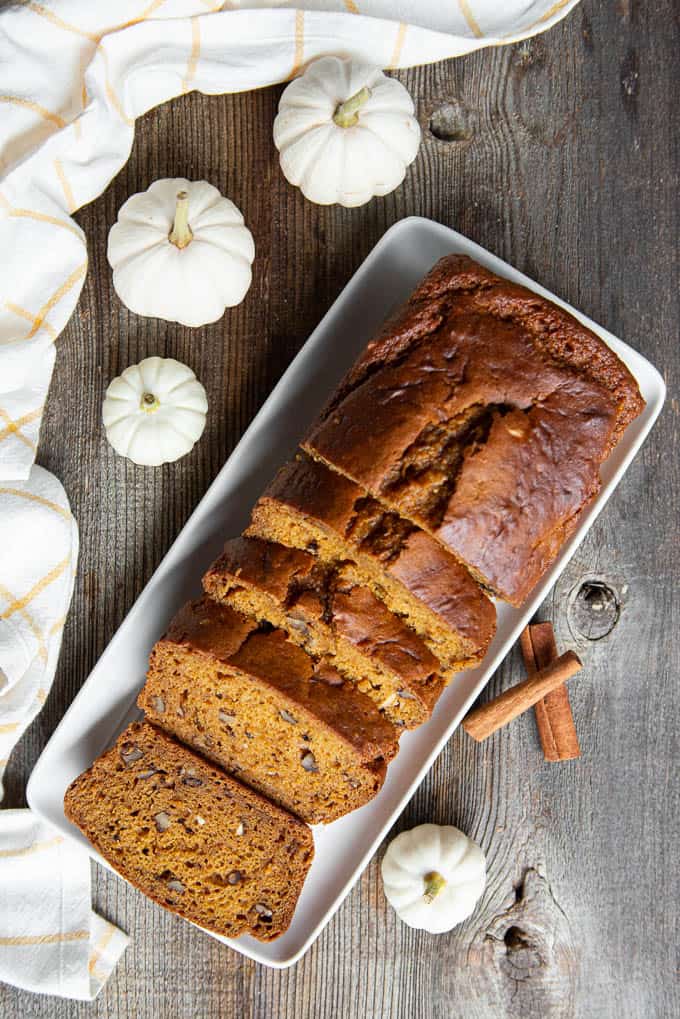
(554, 719)
(485, 720)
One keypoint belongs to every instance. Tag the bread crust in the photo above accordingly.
(327, 613)
(489, 411)
(370, 534)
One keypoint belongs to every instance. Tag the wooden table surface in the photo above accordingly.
(560, 155)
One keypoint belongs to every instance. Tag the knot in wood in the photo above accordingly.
(529, 53)
(594, 609)
(522, 955)
(452, 122)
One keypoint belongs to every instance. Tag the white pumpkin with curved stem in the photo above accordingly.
(180, 251)
(345, 132)
(433, 876)
(155, 411)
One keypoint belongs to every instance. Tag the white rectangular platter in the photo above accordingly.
(106, 701)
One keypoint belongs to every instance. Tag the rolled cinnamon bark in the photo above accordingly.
(554, 720)
(485, 720)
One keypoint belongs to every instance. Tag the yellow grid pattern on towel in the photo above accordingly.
(194, 55)
(45, 939)
(466, 11)
(26, 615)
(20, 494)
(36, 108)
(40, 217)
(398, 44)
(111, 92)
(37, 847)
(96, 39)
(20, 603)
(13, 427)
(558, 6)
(100, 947)
(56, 626)
(58, 22)
(299, 43)
(67, 26)
(17, 604)
(39, 319)
(66, 187)
(16, 309)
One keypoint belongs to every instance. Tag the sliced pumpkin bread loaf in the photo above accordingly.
(310, 507)
(190, 837)
(482, 412)
(258, 705)
(329, 614)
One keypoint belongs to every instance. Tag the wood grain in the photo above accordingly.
(562, 157)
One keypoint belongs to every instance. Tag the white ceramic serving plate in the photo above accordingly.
(106, 701)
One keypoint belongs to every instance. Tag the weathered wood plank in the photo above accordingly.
(563, 159)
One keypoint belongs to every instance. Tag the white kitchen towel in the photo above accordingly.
(38, 555)
(50, 940)
(74, 76)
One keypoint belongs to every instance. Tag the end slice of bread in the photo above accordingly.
(482, 412)
(196, 841)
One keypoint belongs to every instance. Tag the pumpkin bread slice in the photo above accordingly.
(249, 699)
(310, 507)
(328, 614)
(193, 839)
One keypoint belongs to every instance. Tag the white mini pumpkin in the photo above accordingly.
(433, 876)
(155, 411)
(180, 251)
(345, 132)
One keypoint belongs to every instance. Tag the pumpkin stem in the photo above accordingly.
(149, 403)
(181, 233)
(347, 113)
(434, 882)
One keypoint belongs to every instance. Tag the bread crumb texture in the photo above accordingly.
(192, 838)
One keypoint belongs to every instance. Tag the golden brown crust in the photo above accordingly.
(268, 658)
(489, 411)
(326, 612)
(430, 579)
(458, 278)
(193, 839)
